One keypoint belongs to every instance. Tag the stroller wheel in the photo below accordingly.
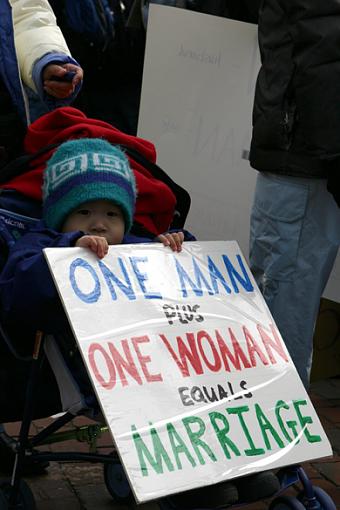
(324, 500)
(117, 483)
(286, 503)
(25, 498)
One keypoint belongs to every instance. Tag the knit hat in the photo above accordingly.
(83, 170)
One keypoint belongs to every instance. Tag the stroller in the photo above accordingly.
(48, 362)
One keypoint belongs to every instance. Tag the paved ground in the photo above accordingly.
(80, 486)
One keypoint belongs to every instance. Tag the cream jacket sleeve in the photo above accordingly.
(36, 33)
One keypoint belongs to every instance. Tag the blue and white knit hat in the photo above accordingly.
(83, 170)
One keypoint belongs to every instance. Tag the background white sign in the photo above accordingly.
(196, 106)
(192, 375)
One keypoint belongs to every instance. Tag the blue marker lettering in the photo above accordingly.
(195, 286)
(93, 296)
(216, 276)
(244, 281)
(143, 277)
(125, 287)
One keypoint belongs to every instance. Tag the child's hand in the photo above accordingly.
(173, 239)
(97, 244)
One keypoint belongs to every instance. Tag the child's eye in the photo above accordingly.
(83, 212)
(112, 214)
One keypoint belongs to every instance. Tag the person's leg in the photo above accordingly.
(294, 239)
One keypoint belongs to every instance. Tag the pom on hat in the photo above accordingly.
(84, 170)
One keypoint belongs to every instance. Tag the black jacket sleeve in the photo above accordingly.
(27, 291)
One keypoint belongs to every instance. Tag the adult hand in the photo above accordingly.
(97, 244)
(61, 89)
(172, 239)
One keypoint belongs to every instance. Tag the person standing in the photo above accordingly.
(295, 219)
(111, 51)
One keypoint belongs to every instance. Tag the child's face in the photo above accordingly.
(98, 218)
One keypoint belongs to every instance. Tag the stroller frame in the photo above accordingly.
(13, 493)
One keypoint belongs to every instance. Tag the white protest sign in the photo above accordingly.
(196, 107)
(191, 373)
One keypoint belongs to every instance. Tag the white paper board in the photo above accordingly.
(191, 373)
(197, 95)
(196, 106)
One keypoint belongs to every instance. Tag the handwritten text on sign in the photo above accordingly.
(191, 372)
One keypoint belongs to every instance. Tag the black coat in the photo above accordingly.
(296, 117)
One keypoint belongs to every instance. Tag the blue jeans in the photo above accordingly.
(294, 239)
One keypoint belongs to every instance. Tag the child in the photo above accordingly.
(89, 196)
(98, 200)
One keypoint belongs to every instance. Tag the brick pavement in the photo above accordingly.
(80, 486)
